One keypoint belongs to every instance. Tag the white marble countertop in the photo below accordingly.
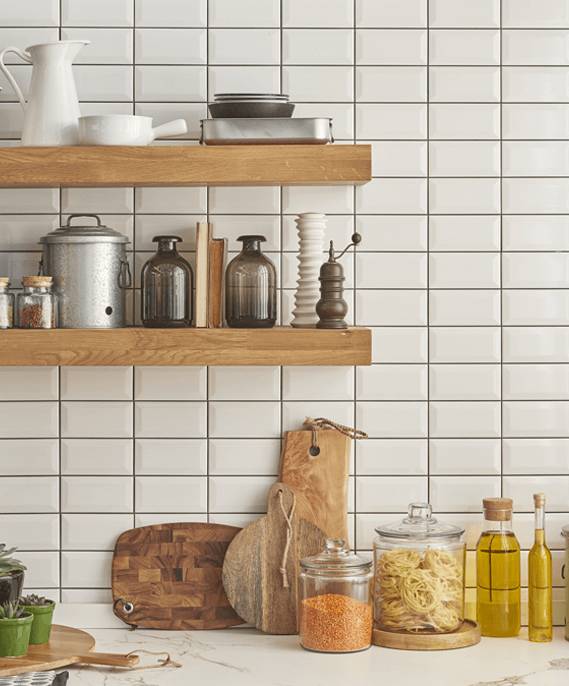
(238, 657)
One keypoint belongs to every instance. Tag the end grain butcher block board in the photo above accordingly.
(168, 576)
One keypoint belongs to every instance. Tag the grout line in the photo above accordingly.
(428, 242)
(501, 255)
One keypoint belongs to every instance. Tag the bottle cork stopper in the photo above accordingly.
(4, 280)
(539, 499)
(37, 281)
(498, 509)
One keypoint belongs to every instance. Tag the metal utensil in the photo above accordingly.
(317, 131)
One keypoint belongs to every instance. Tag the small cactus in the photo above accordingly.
(8, 563)
(35, 600)
(11, 611)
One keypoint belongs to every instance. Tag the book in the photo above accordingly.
(203, 237)
(216, 292)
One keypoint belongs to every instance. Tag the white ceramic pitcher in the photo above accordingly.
(51, 113)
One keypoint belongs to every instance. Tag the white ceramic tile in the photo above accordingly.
(42, 569)
(464, 47)
(535, 307)
(393, 233)
(242, 456)
(335, 46)
(42, 495)
(536, 419)
(371, 13)
(84, 569)
(464, 382)
(536, 456)
(15, 420)
(535, 84)
(392, 308)
(464, 419)
(389, 493)
(16, 265)
(28, 383)
(535, 47)
(107, 46)
(96, 419)
(535, 233)
(244, 13)
(244, 46)
(392, 382)
(522, 488)
(396, 122)
(534, 344)
(342, 115)
(318, 13)
(328, 199)
(170, 46)
(252, 200)
(327, 84)
(464, 270)
(92, 456)
(458, 121)
(31, 13)
(462, 494)
(170, 494)
(33, 531)
(392, 196)
(464, 308)
(463, 456)
(536, 382)
(378, 457)
(103, 82)
(96, 494)
(391, 84)
(233, 226)
(170, 383)
(526, 13)
(388, 270)
(538, 121)
(33, 199)
(537, 270)
(308, 383)
(171, 456)
(93, 531)
(528, 196)
(471, 344)
(22, 73)
(171, 13)
(244, 383)
(391, 46)
(96, 200)
(393, 344)
(464, 158)
(148, 226)
(246, 79)
(163, 112)
(23, 232)
(462, 13)
(464, 233)
(170, 419)
(535, 158)
(171, 84)
(170, 200)
(96, 383)
(399, 158)
(11, 122)
(29, 457)
(97, 12)
(22, 37)
(392, 419)
(247, 420)
(465, 196)
(296, 412)
(464, 84)
(239, 493)
(166, 518)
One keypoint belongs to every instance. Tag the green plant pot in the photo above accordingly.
(15, 635)
(41, 626)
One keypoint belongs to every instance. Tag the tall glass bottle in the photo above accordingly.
(498, 571)
(540, 621)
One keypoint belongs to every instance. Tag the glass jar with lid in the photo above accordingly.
(419, 574)
(335, 600)
(6, 304)
(37, 304)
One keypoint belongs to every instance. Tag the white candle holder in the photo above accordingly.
(311, 227)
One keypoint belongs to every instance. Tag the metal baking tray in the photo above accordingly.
(316, 130)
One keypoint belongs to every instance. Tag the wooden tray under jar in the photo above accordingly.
(467, 635)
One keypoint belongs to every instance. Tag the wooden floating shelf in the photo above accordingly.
(140, 346)
(184, 165)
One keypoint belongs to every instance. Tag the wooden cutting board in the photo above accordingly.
(66, 646)
(168, 576)
(319, 481)
(251, 571)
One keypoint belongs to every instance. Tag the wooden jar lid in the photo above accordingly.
(468, 634)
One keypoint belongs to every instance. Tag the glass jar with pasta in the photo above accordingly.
(419, 574)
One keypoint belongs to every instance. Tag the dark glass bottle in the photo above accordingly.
(167, 282)
(250, 287)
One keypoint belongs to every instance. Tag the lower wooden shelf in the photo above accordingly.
(139, 346)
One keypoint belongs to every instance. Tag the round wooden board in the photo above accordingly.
(64, 648)
(467, 635)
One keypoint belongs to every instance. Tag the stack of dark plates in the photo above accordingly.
(249, 105)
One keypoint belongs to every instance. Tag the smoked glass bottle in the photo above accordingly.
(540, 622)
(166, 283)
(498, 571)
(250, 287)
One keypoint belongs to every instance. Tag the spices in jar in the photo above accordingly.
(335, 623)
(36, 305)
(6, 304)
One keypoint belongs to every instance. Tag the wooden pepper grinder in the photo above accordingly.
(332, 308)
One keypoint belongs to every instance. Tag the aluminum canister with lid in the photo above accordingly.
(565, 575)
(90, 273)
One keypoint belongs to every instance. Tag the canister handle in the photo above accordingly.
(125, 277)
(93, 216)
(563, 571)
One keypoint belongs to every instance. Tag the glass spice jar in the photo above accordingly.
(335, 601)
(419, 574)
(37, 305)
(6, 304)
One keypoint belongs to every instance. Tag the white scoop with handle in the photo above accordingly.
(125, 129)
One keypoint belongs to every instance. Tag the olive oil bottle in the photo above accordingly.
(498, 571)
(540, 622)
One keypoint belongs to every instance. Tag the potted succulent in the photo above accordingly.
(15, 627)
(42, 611)
(11, 575)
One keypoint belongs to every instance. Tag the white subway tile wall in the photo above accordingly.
(462, 273)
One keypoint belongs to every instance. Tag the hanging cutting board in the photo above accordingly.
(320, 480)
(168, 576)
(252, 575)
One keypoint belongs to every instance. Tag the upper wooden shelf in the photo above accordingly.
(139, 346)
(184, 165)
